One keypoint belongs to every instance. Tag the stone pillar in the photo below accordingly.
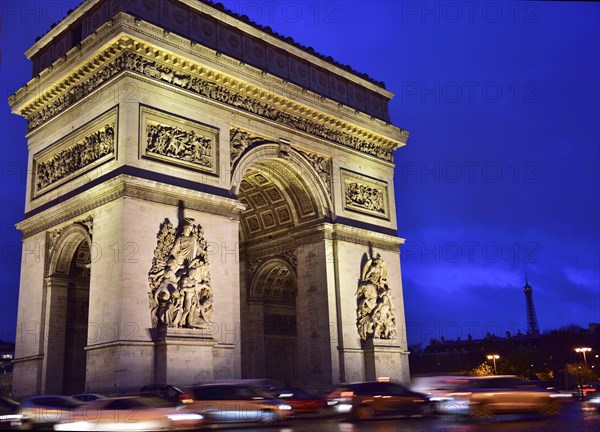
(54, 334)
(256, 341)
(383, 358)
(361, 360)
(318, 362)
(183, 356)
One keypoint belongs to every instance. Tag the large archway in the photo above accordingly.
(274, 290)
(67, 293)
(284, 198)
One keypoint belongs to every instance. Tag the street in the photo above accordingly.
(576, 416)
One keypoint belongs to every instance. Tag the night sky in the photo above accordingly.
(500, 176)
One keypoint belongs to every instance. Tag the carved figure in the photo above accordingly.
(239, 141)
(180, 293)
(375, 312)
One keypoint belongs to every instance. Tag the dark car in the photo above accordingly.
(43, 412)
(588, 389)
(170, 393)
(369, 399)
(88, 397)
(10, 413)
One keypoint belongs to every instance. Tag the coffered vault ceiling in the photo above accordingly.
(276, 199)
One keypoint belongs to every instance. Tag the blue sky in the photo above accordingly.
(501, 173)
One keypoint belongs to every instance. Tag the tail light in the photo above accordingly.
(185, 398)
(339, 396)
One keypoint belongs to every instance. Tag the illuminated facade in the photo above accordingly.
(212, 202)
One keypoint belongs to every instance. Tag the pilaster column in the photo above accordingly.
(55, 313)
(256, 340)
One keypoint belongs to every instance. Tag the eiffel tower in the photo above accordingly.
(533, 328)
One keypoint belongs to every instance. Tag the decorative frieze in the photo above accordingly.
(374, 312)
(84, 149)
(173, 139)
(180, 286)
(365, 195)
(152, 69)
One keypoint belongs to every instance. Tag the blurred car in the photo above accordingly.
(301, 401)
(437, 387)
(132, 413)
(170, 393)
(257, 383)
(594, 400)
(369, 399)
(236, 403)
(10, 413)
(586, 390)
(88, 397)
(486, 396)
(43, 412)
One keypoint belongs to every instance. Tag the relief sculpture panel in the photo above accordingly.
(79, 152)
(172, 139)
(365, 195)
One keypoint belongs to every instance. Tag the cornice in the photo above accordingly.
(73, 208)
(127, 34)
(60, 27)
(366, 237)
(125, 186)
(251, 75)
(227, 19)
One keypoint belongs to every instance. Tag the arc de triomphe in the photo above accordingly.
(213, 202)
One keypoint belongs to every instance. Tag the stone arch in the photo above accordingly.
(294, 162)
(61, 253)
(262, 273)
(67, 287)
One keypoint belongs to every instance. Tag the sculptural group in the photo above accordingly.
(375, 312)
(180, 291)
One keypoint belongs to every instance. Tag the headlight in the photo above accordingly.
(75, 426)
(188, 416)
(560, 396)
(10, 417)
(284, 407)
(440, 399)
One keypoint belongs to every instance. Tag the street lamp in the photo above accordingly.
(494, 357)
(583, 350)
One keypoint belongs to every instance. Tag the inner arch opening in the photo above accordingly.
(281, 200)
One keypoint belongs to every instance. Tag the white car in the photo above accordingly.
(132, 413)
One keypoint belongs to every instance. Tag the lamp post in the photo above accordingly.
(494, 357)
(583, 350)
